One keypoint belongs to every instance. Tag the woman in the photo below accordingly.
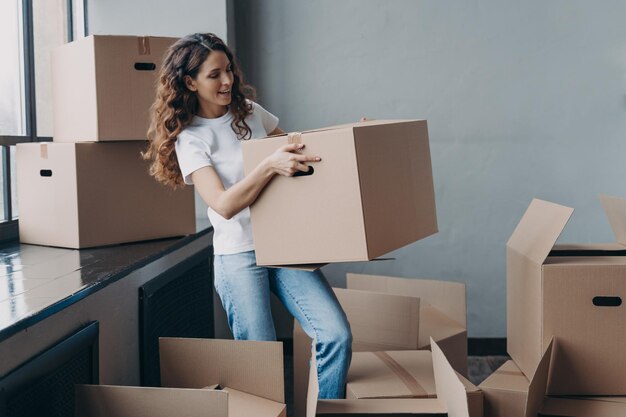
(202, 112)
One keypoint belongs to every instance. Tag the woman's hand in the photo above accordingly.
(286, 161)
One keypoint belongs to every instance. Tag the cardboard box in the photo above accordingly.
(372, 193)
(508, 393)
(400, 374)
(121, 401)
(80, 195)
(103, 87)
(382, 321)
(451, 397)
(244, 364)
(574, 296)
(442, 310)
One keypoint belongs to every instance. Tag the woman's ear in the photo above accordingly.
(190, 83)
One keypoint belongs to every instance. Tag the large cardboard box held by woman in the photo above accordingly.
(371, 193)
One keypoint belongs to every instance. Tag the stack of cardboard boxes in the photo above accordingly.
(90, 186)
(565, 320)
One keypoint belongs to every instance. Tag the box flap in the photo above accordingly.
(615, 209)
(241, 404)
(448, 297)
(249, 366)
(380, 321)
(450, 390)
(507, 377)
(121, 401)
(539, 229)
(391, 374)
(539, 383)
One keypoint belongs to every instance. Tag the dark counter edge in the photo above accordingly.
(46, 312)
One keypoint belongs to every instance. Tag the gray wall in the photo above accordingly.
(523, 99)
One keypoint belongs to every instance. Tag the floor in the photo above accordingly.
(479, 368)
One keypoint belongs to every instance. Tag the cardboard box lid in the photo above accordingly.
(391, 374)
(450, 391)
(507, 377)
(448, 297)
(241, 404)
(250, 366)
(615, 209)
(120, 401)
(380, 321)
(569, 407)
(539, 229)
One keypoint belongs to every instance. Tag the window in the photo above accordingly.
(29, 31)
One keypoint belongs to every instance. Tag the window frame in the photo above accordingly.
(9, 228)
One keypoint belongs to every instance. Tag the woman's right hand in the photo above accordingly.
(287, 161)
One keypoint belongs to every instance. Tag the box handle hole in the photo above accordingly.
(45, 172)
(607, 301)
(145, 66)
(304, 174)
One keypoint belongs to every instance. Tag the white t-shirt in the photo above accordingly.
(212, 142)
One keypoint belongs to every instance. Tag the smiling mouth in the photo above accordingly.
(224, 93)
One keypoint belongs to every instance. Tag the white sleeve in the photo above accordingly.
(192, 154)
(269, 121)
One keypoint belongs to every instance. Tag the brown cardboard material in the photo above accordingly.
(383, 322)
(400, 374)
(508, 393)
(241, 404)
(103, 87)
(121, 401)
(446, 296)
(252, 367)
(80, 195)
(451, 397)
(549, 294)
(371, 193)
(442, 310)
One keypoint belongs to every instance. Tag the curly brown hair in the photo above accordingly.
(175, 104)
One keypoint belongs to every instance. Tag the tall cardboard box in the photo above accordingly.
(371, 193)
(103, 87)
(571, 292)
(80, 195)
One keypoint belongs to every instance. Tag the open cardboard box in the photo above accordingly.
(371, 193)
(103, 87)
(451, 397)
(572, 292)
(508, 393)
(383, 321)
(193, 372)
(400, 374)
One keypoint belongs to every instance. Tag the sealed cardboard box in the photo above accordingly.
(371, 193)
(382, 321)
(572, 292)
(508, 393)
(451, 398)
(103, 87)
(400, 374)
(80, 195)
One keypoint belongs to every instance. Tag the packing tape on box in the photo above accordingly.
(409, 380)
(143, 45)
(43, 151)
(515, 373)
(294, 137)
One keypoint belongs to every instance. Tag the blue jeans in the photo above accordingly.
(244, 289)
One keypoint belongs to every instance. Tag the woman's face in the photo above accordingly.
(213, 84)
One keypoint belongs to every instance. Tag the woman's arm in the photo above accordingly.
(227, 203)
